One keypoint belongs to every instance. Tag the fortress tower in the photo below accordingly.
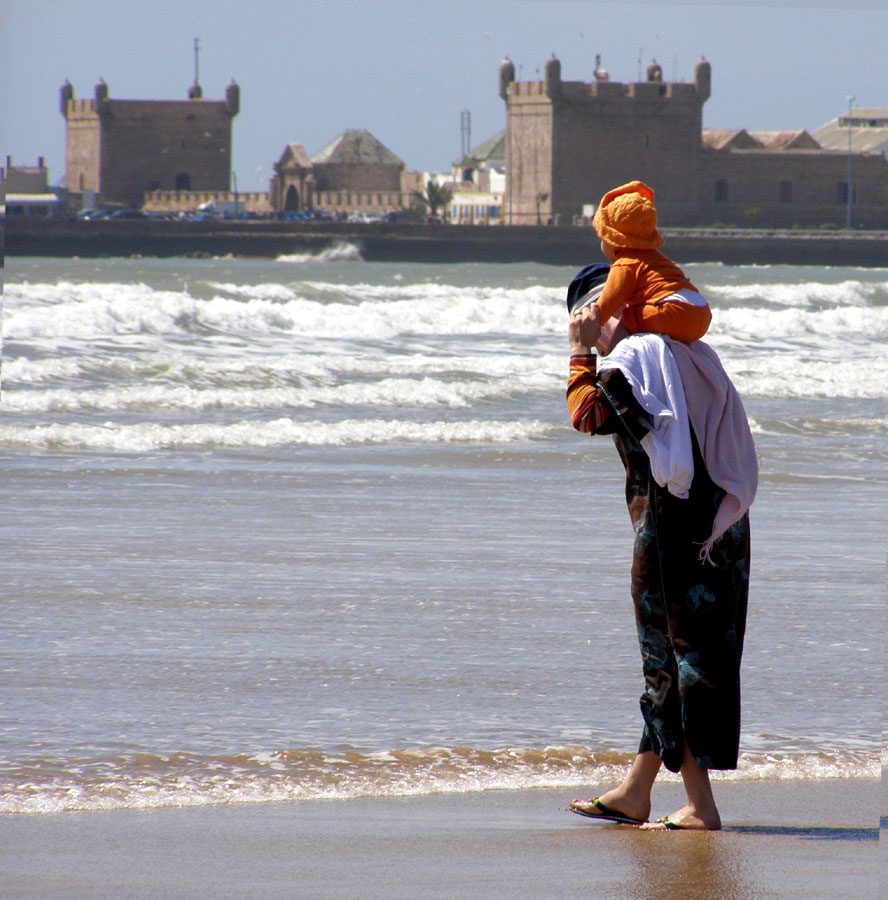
(122, 148)
(568, 141)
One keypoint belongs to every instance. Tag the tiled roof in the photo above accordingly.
(785, 140)
(741, 139)
(492, 151)
(869, 131)
(357, 146)
(295, 155)
(729, 139)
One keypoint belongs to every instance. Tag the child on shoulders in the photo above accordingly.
(644, 287)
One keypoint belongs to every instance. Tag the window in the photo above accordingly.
(786, 192)
(721, 191)
(183, 182)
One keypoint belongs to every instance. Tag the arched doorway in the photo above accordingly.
(183, 182)
(291, 201)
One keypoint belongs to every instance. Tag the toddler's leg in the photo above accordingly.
(682, 321)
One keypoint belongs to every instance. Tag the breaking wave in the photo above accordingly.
(338, 252)
(143, 437)
(150, 780)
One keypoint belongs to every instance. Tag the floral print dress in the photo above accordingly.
(690, 614)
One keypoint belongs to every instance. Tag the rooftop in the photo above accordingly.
(741, 139)
(357, 146)
(868, 131)
(492, 151)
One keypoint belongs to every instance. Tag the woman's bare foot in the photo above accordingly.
(687, 819)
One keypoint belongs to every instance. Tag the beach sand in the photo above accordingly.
(787, 839)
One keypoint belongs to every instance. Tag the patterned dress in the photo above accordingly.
(690, 615)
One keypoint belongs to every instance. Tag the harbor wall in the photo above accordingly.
(432, 243)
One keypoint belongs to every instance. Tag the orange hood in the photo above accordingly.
(626, 217)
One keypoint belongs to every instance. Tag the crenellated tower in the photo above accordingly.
(119, 149)
(570, 141)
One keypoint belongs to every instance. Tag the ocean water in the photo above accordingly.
(314, 527)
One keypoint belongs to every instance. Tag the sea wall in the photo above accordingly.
(432, 243)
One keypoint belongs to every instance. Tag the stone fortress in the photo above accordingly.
(565, 143)
(568, 142)
(118, 150)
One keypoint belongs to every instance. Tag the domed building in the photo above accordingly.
(355, 171)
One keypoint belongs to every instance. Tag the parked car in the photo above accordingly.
(90, 214)
(361, 216)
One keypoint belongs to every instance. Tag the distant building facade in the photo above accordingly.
(117, 150)
(25, 190)
(568, 142)
(478, 182)
(354, 172)
(867, 128)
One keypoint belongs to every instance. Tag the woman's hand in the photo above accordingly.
(583, 330)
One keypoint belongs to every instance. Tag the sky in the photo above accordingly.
(405, 70)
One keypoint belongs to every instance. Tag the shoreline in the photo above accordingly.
(781, 840)
(552, 245)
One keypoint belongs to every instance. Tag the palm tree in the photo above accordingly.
(436, 197)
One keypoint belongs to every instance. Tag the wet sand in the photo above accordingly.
(782, 840)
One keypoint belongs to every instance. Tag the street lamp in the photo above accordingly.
(850, 100)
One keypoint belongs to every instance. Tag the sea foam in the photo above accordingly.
(147, 780)
(147, 436)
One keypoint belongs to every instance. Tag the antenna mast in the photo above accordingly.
(197, 60)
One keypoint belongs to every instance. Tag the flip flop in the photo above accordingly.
(670, 825)
(604, 812)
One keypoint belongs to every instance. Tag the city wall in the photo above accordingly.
(427, 243)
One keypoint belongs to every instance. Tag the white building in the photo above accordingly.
(478, 185)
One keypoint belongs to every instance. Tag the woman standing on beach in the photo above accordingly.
(690, 570)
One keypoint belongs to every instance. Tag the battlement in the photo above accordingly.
(128, 109)
(78, 108)
(101, 104)
(527, 89)
(611, 91)
(552, 89)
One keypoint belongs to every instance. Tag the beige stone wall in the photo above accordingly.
(82, 146)
(412, 181)
(648, 131)
(570, 142)
(344, 201)
(529, 160)
(357, 177)
(569, 147)
(345, 187)
(188, 201)
(123, 148)
(146, 145)
(24, 179)
(783, 189)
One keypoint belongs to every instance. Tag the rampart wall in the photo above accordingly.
(790, 188)
(424, 243)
